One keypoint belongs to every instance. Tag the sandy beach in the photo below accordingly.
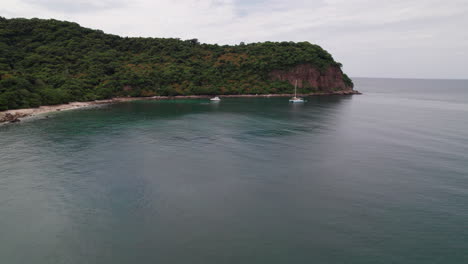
(16, 115)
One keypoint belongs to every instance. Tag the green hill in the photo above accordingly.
(44, 62)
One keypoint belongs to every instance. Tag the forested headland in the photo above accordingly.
(47, 62)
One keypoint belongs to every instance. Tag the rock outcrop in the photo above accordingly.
(12, 118)
(331, 79)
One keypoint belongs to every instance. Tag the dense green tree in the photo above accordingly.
(46, 62)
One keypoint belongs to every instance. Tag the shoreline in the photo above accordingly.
(16, 115)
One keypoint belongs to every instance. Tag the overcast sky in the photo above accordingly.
(393, 38)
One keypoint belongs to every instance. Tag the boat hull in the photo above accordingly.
(296, 101)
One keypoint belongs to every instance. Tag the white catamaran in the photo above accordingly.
(296, 99)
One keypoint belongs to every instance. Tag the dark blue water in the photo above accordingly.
(376, 178)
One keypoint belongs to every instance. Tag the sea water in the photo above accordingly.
(375, 178)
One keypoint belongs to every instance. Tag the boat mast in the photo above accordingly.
(295, 89)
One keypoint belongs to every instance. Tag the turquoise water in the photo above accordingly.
(375, 178)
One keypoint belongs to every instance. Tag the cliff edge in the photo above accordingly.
(328, 80)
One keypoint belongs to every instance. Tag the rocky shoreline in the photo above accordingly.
(16, 115)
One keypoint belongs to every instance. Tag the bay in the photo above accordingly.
(375, 178)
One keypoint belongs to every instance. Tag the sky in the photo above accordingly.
(371, 38)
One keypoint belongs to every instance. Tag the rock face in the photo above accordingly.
(332, 79)
(12, 118)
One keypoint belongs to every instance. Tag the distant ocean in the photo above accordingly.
(375, 178)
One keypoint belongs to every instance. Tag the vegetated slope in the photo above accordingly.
(44, 62)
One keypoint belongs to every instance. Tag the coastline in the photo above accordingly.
(16, 115)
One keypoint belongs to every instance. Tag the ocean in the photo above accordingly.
(380, 177)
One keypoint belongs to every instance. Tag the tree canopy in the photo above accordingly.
(45, 62)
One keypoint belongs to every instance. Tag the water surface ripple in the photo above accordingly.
(376, 178)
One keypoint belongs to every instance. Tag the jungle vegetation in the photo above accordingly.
(46, 62)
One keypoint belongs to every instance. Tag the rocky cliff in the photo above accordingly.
(330, 79)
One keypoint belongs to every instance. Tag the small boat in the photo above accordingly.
(296, 99)
(216, 98)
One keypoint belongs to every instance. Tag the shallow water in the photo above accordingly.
(375, 178)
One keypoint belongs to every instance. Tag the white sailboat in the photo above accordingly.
(296, 99)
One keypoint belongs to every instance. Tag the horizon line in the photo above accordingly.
(411, 78)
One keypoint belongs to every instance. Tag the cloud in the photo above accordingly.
(76, 6)
(396, 38)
